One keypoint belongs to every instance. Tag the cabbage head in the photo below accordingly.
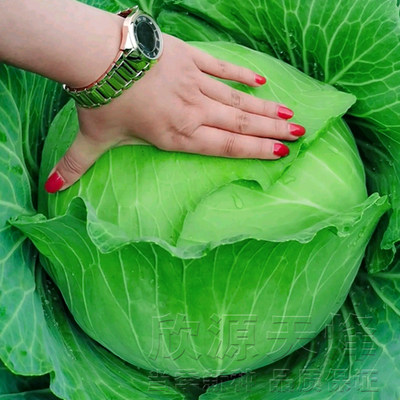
(204, 266)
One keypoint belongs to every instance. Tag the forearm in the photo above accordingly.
(64, 40)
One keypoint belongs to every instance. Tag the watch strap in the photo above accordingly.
(124, 72)
(128, 67)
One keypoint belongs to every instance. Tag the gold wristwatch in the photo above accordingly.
(141, 46)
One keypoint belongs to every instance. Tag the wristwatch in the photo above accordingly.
(141, 46)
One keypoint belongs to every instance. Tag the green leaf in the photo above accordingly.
(383, 172)
(83, 370)
(188, 27)
(13, 384)
(43, 394)
(356, 357)
(37, 100)
(22, 323)
(352, 44)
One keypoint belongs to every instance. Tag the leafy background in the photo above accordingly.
(351, 44)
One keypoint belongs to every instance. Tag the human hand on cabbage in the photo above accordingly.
(178, 106)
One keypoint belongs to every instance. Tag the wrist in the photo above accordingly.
(140, 46)
(64, 40)
(98, 50)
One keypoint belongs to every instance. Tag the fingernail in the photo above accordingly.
(284, 112)
(297, 130)
(54, 183)
(260, 79)
(281, 150)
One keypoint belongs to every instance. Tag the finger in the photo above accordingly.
(225, 70)
(238, 121)
(235, 98)
(83, 152)
(217, 142)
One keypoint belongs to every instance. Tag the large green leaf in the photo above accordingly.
(37, 100)
(352, 44)
(83, 370)
(356, 357)
(191, 28)
(381, 148)
(22, 323)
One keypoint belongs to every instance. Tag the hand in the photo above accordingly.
(178, 106)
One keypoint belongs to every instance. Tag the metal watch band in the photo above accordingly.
(129, 68)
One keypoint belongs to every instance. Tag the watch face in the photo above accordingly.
(148, 36)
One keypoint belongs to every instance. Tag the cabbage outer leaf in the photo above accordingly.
(84, 370)
(22, 324)
(351, 44)
(355, 357)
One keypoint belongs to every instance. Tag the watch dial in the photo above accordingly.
(147, 36)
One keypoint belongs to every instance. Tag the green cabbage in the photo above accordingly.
(258, 255)
(204, 266)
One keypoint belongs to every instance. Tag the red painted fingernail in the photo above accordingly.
(281, 150)
(284, 112)
(297, 130)
(260, 79)
(54, 183)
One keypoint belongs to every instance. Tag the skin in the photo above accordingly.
(73, 43)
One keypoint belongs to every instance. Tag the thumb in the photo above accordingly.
(83, 152)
